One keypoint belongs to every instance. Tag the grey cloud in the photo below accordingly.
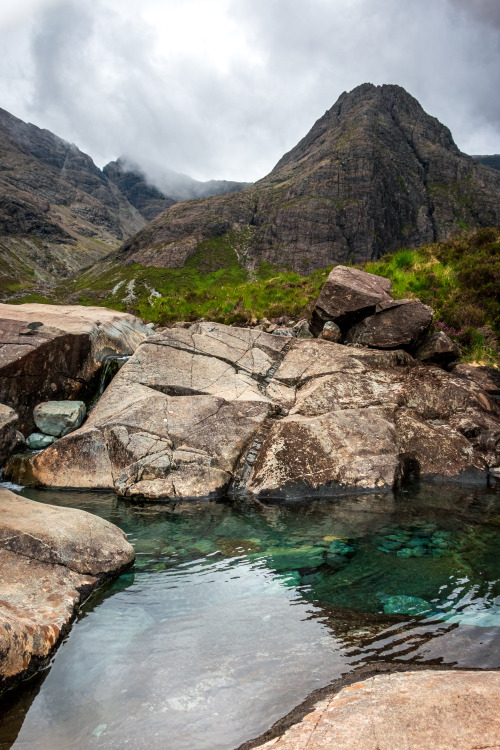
(101, 79)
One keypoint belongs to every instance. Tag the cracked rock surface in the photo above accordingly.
(214, 409)
(52, 352)
(440, 710)
(50, 558)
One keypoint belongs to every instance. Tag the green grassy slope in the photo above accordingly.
(459, 279)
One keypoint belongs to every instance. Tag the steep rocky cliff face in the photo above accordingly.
(58, 211)
(374, 174)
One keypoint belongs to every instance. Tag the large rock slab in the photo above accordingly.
(51, 352)
(213, 409)
(396, 324)
(347, 296)
(336, 453)
(404, 711)
(175, 420)
(50, 558)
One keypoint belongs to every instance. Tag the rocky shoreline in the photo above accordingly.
(364, 400)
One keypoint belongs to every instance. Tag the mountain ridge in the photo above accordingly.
(375, 173)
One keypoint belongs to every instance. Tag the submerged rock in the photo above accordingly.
(59, 418)
(405, 605)
(50, 558)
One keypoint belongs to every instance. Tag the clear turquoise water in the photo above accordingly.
(233, 615)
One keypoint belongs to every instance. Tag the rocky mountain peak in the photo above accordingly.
(375, 173)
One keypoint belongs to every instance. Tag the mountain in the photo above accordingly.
(493, 160)
(147, 199)
(58, 211)
(151, 197)
(374, 174)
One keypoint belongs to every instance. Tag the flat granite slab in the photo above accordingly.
(452, 710)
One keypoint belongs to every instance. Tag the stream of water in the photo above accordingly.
(233, 615)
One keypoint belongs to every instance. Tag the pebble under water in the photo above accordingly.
(232, 615)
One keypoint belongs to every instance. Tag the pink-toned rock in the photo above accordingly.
(50, 558)
(404, 711)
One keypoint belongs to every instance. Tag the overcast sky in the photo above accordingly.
(222, 88)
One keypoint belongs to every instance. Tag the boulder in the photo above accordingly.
(396, 324)
(52, 352)
(336, 453)
(50, 558)
(9, 437)
(437, 451)
(331, 332)
(58, 418)
(201, 412)
(438, 348)
(347, 296)
(37, 441)
(443, 710)
(302, 330)
(175, 420)
(486, 378)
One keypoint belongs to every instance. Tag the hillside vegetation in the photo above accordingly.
(459, 279)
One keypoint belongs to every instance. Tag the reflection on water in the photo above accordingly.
(232, 616)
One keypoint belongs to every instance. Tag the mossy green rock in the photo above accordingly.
(405, 605)
(294, 558)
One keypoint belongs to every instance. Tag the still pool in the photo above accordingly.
(232, 615)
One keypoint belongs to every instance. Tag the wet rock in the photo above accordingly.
(9, 437)
(59, 359)
(37, 441)
(59, 418)
(424, 709)
(50, 558)
(396, 324)
(347, 296)
(330, 332)
(438, 348)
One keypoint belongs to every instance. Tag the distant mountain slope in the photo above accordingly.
(374, 174)
(151, 198)
(147, 199)
(58, 211)
(493, 160)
